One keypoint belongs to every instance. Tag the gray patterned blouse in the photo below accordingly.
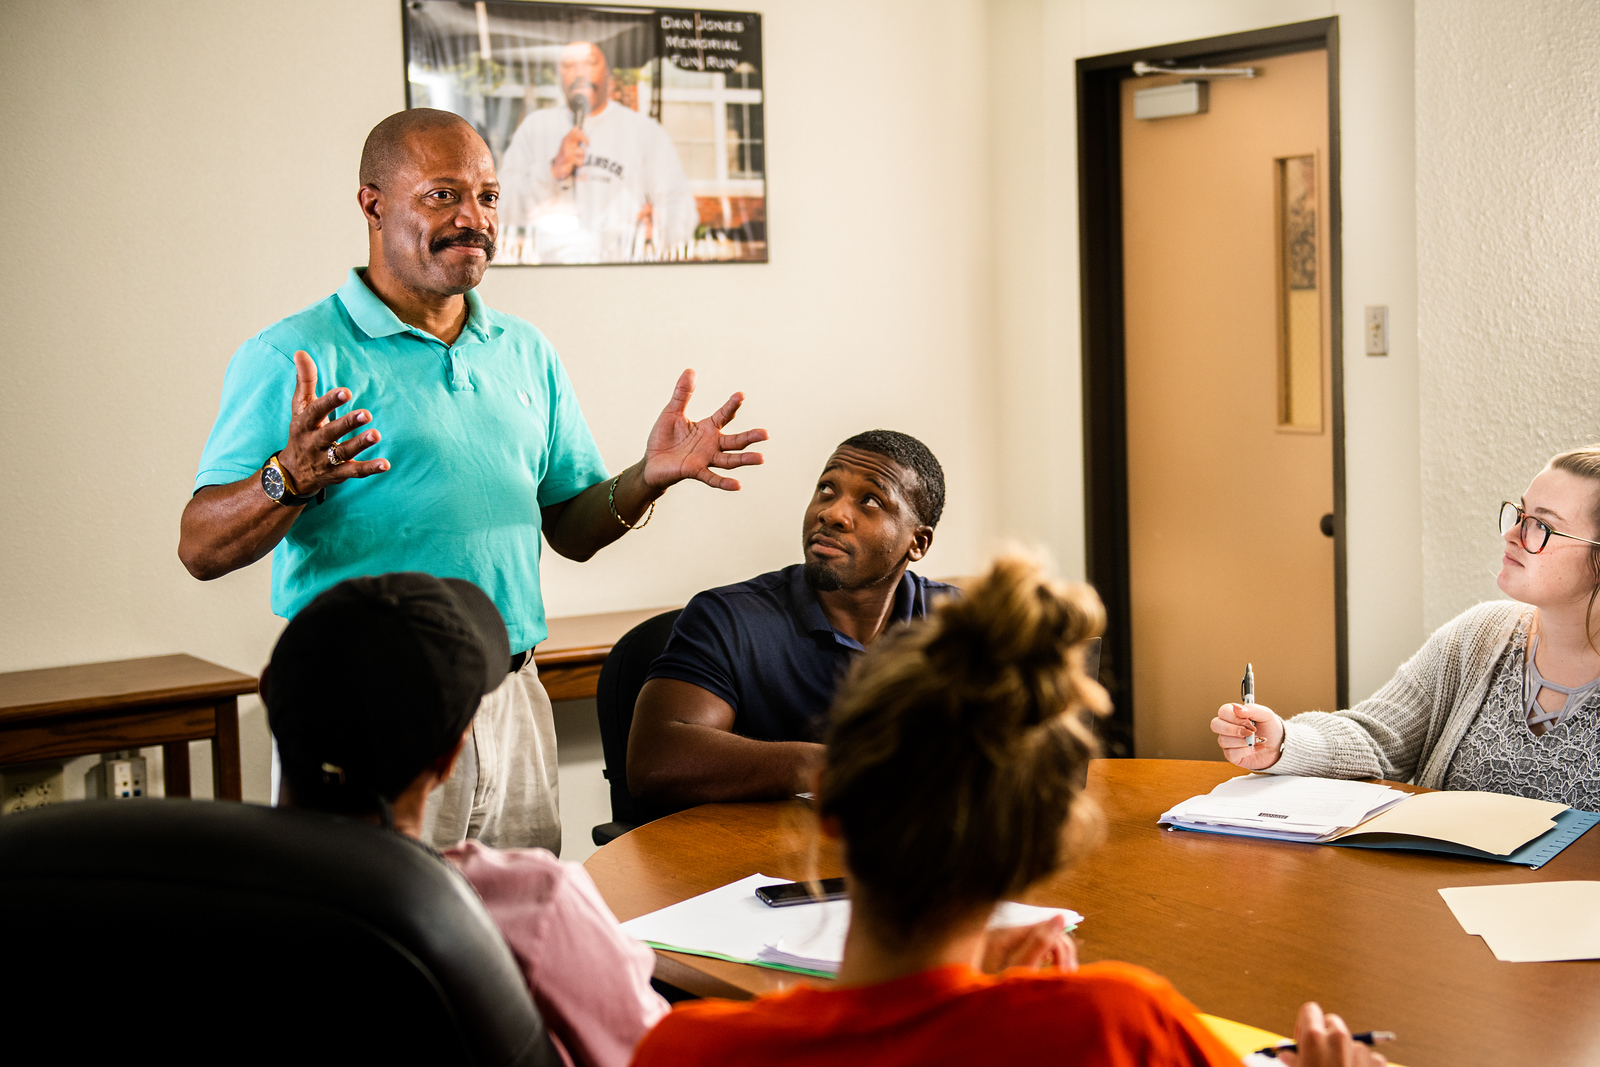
(1500, 754)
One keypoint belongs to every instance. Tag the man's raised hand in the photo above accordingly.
(312, 437)
(679, 448)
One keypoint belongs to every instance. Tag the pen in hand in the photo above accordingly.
(1366, 1037)
(1247, 696)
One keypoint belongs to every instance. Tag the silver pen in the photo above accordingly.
(1247, 695)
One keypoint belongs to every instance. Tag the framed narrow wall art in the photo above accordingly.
(621, 134)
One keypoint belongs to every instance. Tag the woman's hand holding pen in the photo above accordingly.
(1324, 1041)
(1235, 724)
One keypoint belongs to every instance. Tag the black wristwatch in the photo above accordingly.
(275, 482)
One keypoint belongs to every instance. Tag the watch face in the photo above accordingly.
(272, 481)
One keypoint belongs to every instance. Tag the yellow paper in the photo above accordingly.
(1241, 1038)
(1490, 822)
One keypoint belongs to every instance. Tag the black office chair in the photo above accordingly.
(177, 930)
(621, 677)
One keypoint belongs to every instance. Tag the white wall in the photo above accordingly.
(1036, 279)
(1508, 244)
(183, 174)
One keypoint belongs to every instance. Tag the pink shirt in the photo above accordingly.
(590, 980)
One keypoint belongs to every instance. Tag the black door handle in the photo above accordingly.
(1326, 526)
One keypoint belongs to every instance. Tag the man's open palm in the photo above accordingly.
(679, 448)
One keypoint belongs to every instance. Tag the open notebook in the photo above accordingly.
(1365, 815)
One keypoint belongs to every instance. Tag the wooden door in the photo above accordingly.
(1229, 402)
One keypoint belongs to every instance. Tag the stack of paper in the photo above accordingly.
(731, 923)
(1531, 922)
(1283, 807)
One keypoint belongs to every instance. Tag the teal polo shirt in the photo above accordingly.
(479, 435)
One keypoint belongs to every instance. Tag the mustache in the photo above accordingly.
(465, 239)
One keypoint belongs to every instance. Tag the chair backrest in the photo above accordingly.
(621, 677)
(238, 933)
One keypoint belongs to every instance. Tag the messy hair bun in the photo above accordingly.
(958, 748)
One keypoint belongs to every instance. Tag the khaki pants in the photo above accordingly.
(503, 790)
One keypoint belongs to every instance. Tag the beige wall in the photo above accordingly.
(186, 172)
(1508, 242)
(186, 175)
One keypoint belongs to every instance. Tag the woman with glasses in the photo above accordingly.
(1503, 698)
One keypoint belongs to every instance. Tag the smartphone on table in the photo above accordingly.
(786, 893)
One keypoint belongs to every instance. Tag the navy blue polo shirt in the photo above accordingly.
(766, 648)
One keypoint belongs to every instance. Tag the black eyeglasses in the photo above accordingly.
(1535, 533)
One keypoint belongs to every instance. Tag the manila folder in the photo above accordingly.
(1489, 822)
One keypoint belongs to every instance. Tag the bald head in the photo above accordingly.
(388, 147)
(430, 198)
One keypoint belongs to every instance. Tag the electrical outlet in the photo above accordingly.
(23, 788)
(1377, 330)
(118, 776)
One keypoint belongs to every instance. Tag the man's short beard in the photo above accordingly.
(821, 578)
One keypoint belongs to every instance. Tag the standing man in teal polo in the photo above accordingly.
(467, 445)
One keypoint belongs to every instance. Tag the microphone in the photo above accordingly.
(578, 103)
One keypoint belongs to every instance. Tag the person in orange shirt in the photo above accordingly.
(953, 777)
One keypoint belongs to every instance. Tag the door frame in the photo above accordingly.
(1105, 412)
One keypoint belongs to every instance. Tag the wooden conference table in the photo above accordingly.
(1246, 929)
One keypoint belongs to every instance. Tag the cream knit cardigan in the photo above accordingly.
(1409, 729)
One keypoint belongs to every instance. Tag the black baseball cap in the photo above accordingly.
(376, 678)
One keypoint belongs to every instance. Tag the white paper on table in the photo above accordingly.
(1009, 913)
(732, 922)
(1286, 803)
(1531, 922)
(822, 948)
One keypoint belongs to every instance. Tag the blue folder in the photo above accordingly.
(1569, 826)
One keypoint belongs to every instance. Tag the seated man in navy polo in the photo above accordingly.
(736, 706)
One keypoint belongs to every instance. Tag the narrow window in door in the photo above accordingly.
(1299, 298)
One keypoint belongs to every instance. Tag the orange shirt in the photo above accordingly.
(1105, 1015)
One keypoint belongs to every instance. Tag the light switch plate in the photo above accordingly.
(1377, 330)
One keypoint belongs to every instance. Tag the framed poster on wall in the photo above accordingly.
(620, 134)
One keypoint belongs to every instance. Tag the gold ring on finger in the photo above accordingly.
(333, 455)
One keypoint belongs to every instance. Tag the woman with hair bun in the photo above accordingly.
(953, 778)
(1504, 698)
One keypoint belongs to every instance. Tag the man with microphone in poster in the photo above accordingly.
(594, 182)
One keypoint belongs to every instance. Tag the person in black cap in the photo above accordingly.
(370, 694)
